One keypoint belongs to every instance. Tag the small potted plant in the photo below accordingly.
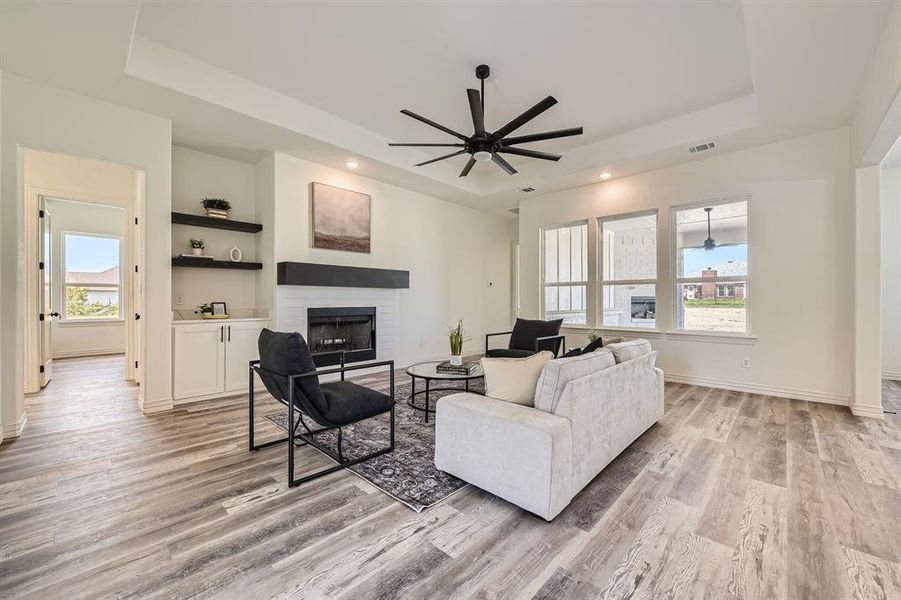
(205, 310)
(197, 246)
(456, 338)
(216, 207)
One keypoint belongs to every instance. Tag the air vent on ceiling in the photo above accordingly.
(515, 211)
(702, 147)
(527, 189)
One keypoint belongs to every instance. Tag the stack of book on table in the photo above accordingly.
(467, 368)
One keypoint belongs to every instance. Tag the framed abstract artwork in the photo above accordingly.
(342, 219)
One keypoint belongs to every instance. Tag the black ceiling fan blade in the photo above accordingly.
(547, 135)
(433, 124)
(427, 145)
(507, 167)
(531, 153)
(468, 167)
(526, 117)
(441, 158)
(475, 107)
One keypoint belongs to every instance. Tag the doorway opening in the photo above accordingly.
(83, 295)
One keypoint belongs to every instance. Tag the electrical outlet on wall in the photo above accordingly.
(179, 299)
(746, 362)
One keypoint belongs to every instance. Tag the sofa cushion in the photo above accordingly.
(509, 353)
(525, 331)
(514, 379)
(623, 351)
(288, 354)
(557, 373)
(348, 401)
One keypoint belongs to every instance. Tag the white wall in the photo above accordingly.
(39, 116)
(458, 258)
(83, 338)
(197, 175)
(891, 272)
(801, 236)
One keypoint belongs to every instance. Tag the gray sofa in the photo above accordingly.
(588, 409)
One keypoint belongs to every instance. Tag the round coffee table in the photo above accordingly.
(428, 372)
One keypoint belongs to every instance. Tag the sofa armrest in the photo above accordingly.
(519, 453)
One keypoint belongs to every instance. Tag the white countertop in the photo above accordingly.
(228, 320)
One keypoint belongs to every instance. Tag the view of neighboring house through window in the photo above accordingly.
(565, 272)
(92, 276)
(712, 277)
(629, 270)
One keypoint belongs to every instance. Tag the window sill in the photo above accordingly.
(635, 332)
(710, 336)
(88, 322)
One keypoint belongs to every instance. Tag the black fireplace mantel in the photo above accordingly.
(315, 274)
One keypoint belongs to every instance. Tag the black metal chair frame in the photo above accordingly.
(307, 437)
(550, 346)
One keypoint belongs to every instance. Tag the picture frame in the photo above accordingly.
(341, 219)
(219, 309)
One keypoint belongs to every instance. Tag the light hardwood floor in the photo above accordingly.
(731, 495)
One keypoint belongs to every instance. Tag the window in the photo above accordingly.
(565, 272)
(628, 251)
(92, 277)
(712, 278)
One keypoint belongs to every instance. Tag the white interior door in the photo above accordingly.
(46, 261)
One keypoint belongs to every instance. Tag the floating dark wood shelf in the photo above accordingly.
(206, 263)
(213, 223)
(315, 274)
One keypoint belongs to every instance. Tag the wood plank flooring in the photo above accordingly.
(730, 496)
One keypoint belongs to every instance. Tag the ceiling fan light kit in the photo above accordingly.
(484, 146)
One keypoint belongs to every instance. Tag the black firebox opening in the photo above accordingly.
(347, 330)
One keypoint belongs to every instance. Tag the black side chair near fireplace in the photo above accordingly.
(287, 370)
(527, 338)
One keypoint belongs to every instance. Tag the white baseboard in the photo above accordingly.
(14, 430)
(757, 388)
(92, 352)
(182, 401)
(893, 375)
(873, 412)
(154, 406)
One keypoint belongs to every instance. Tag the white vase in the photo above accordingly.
(456, 360)
(235, 254)
(197, 251)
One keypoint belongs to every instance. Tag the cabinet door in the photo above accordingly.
(241, 348)
(198, 360)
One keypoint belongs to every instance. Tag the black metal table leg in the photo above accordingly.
(427, 381)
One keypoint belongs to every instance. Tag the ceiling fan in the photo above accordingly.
(483, 145)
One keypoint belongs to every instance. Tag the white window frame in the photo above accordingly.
(677, 281)
(602, 260)
(64, 318)
(586, 263)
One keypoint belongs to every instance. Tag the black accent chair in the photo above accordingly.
(287, 370)
(528, 337)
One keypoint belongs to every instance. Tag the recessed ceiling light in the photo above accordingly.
(606, 175)
(352, 164)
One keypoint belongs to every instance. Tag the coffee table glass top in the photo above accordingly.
(427, 370)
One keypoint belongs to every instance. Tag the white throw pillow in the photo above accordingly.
(624, 351)
(514, 379)
(560, 371)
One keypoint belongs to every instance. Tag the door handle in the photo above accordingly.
(229, 333)
(137, 317)
(221, 333)
(55, 314)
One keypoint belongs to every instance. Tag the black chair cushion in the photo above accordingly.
(348, 402)
(526, 331)
(508, 353)
(592, 346)
(572, 352)
(288, 354)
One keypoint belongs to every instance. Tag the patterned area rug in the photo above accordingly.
(408, 474)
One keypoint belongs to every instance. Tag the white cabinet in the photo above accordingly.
(210, 359)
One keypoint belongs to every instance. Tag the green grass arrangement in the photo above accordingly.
(456, 338)
(216, 203)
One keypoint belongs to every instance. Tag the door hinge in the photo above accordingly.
(136, 268)
(41, 317)
(41, 369)
(136, 364)
(41, 266)
(41, 214)
(136, 220)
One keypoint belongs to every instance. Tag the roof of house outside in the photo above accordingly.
(730, 269)
(108, 277)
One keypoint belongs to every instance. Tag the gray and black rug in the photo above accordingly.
(408, 474)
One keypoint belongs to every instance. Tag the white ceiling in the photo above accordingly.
(325, 81)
